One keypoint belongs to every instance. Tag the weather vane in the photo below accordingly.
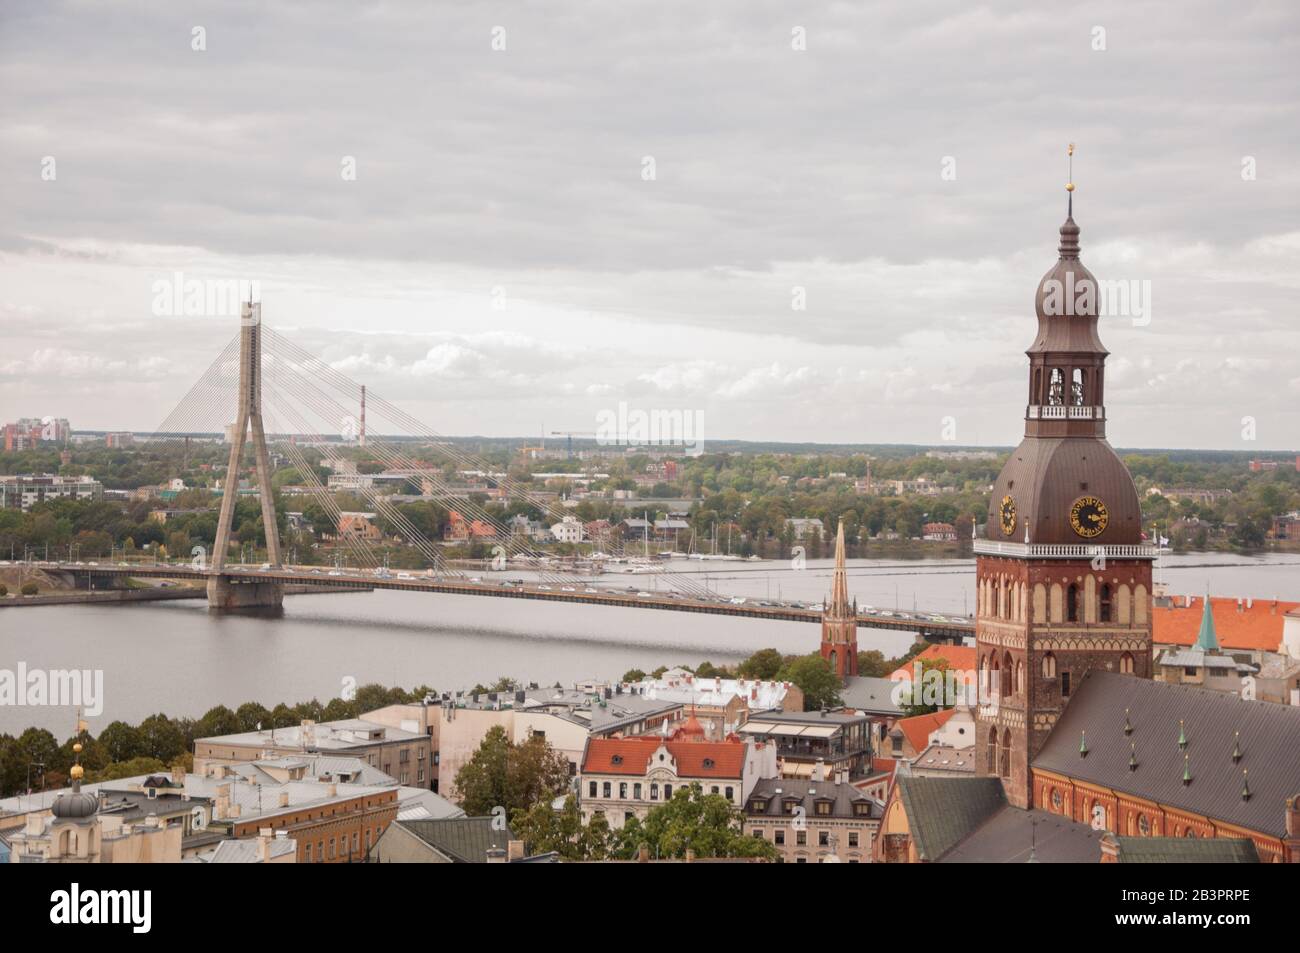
(1069, 185)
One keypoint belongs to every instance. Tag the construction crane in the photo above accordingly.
(570, 434)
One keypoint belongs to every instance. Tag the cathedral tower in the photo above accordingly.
(1063, 576)
(840, 619)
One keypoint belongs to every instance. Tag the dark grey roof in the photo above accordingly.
(1269, 736)
(941, 812)
(778, 790)
(806, 718)
(866, 693)
(1009, 834)
(466, 840)
(1186, 850)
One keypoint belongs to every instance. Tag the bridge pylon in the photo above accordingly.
(222, 591)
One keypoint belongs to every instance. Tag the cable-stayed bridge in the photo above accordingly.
(281, 396)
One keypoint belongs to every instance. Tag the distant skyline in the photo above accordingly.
(502, 262)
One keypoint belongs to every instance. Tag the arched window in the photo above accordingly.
(1037, 396)
(991, 752)
(1076, 388)
(1072, 603)
(1107, 605)
(1049, 665)
(1126, 663)
(1005, 766)
(1020, 678)
(1056, 388)
(1008, 670)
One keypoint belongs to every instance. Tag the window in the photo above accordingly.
(824, 808)
(1072, 603)
(606, 789)
(1056, 389)
(853, 838)
(823, 838)
(1065, 684)
(668, 792)
(801, 838)
(636, 790)
(729, 793)
(758, 833)
(778, 837)
(654, 791)
(622, 789)
(1049, 665)
(1126, 663)
(307, 853)
(1076, 387)
(1107, 609)
(591, 789)
(714, 789)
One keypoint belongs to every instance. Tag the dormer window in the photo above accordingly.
(616, 759)
(709, 762)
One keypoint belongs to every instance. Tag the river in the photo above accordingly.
(177, 658)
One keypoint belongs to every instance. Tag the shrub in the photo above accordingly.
(30, 589)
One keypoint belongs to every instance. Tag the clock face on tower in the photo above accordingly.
(1088, 516)
(1007, 512)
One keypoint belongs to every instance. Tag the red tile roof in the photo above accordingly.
(960, 658)
(695, 759)
(1257, 628)
(917, 728)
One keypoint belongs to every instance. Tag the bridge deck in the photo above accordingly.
(579, 593)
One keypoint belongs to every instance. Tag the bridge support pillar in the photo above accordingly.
(226, 593)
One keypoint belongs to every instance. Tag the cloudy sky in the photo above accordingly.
(503, 260)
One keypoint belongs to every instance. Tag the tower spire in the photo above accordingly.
(839, 619)
(839, 607)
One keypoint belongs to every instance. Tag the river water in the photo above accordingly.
(177, 658)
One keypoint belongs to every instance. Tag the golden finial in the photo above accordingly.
(76, 771)
(1069, 185)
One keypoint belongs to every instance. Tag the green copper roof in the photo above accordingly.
(1207, 639)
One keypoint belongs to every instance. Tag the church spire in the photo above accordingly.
(839, 605)
(839, 619)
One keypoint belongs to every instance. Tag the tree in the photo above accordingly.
(544, 829)
(813, 675)
(160, 738)
(872, 663)
(514, 777)
(763, 664)
(633, 675)
(912, 701)
(252, 716)
(121, 742)
(218, 721)
(707, 824)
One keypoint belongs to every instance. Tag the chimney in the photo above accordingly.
(178, 773)
(331, 790)
(284, 798)
(495, 855)
(264, 838)
(842, 776)
(514, 851)
(819, 770)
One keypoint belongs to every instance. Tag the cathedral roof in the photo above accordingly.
(1215, 725)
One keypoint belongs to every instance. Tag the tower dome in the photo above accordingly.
(1064, 484)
